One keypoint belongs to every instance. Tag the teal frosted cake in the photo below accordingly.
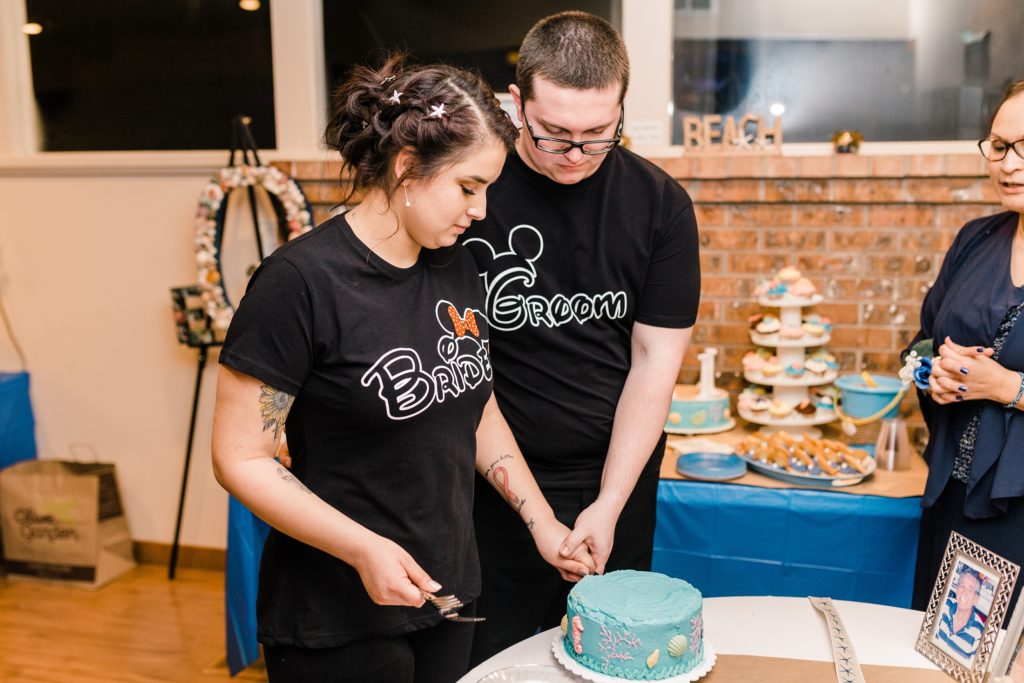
(640, 626)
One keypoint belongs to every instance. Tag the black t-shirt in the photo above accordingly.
(390, 372)
(568, 269)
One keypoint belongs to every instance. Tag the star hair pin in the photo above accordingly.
(396, 97)
(437, 111)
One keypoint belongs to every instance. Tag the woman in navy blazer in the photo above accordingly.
(975, 449)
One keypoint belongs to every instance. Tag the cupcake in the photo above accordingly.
(803, 288)
(795, 370)
(777, 291)
(760, 404)
(769, 325)
(815, 366)
(779, 409)
(788, 274)
(813, 329)
(806, 407)
(753, 361)
(755, 320)
(771, 367)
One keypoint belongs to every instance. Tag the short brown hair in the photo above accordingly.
(1012, 90)
(573, 50)
(378, 112)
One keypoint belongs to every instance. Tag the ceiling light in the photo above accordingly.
(249, 5)
(777, 109)
(32, 29)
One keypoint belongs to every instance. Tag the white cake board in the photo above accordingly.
(563, 658)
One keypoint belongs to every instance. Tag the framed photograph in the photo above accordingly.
(1009, 660)
(966, 610)
(191, 321)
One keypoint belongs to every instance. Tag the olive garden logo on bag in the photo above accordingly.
(64, 521)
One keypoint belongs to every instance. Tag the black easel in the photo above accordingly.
(243, 142)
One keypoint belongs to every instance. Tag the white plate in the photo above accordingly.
(558, 650)
(530, 673)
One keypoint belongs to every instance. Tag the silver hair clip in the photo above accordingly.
(386, 81)
(395, 97)
(437, 111)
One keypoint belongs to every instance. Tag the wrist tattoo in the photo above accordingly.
(289, 477)
(529, 525)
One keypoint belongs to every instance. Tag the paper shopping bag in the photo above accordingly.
(63, 521)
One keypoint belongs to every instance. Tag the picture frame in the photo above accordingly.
(191, 321)
(961, 641)
(1008, 663)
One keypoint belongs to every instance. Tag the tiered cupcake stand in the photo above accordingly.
(785, 389)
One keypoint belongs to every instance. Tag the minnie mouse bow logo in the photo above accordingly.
(462, 325)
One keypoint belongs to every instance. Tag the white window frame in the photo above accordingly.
(300, 98)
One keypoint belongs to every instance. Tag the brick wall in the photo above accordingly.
(869, 231)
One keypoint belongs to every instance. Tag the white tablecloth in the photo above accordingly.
(770, 627)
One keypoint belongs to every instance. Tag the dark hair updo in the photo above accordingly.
(369, 126)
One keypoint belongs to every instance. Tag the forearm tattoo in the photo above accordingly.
(289, 477)
(274, 407)
(502, 457)
(502, 479)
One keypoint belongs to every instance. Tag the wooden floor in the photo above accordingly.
(140, 628)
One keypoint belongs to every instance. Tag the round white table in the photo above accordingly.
(788, 628)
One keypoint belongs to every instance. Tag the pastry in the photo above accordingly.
(780, 409)
(771, 367)
(769, 325)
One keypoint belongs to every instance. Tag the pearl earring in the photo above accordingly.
(406, 191)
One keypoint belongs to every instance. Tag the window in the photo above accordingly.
(468, 33)
(155, 75)
(894, 69)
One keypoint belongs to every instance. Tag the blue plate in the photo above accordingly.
(711, 466)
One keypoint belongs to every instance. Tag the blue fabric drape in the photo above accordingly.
(728, 539)
(17, 425)
(246, 534)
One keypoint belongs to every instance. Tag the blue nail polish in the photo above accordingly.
(959, 397)
(963, 371)
(962, 388)
(980, 349)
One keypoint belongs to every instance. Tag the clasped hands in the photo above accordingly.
(968, 373)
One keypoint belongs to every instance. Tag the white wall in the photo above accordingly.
(86, 261)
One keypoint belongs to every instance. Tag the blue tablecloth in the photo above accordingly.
(744, 540)
(724, 538)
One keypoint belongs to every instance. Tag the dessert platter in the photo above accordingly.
(805, 459)
(790, 359)
(634, 626)
(700, 408)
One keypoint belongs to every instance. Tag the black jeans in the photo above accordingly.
(439, 654)
(520, 591)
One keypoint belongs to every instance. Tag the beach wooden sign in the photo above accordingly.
(715, 134)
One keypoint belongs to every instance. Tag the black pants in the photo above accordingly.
(1002, 535)
(439, 654)
(520, 591)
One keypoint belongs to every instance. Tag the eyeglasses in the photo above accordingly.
(996, 150)
(561, 146)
